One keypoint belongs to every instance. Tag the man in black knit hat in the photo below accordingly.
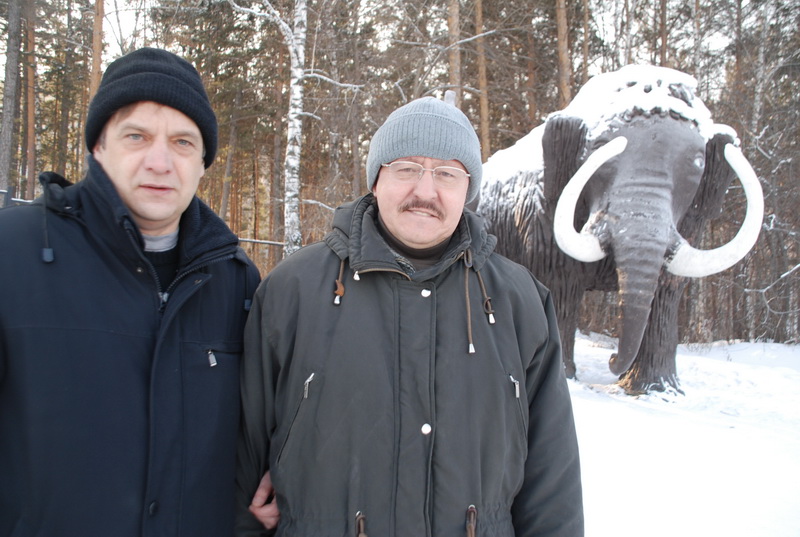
(121, 325)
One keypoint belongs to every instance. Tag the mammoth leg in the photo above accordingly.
(567, 298)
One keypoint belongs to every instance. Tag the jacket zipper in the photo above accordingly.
(520, 413)
(306, 384)
(163, 296)
(303, 397)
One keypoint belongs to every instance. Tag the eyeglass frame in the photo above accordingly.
(422, 170)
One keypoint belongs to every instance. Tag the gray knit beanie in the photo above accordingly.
(427, 127)
(151, 74)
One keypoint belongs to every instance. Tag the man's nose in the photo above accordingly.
(158, 158)
(426, 186)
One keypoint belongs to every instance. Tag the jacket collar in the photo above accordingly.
(95, 202)
(355, 236)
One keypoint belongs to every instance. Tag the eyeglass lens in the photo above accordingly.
(412, 171)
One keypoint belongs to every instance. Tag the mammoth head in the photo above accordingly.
(684, 259)
(644, 158)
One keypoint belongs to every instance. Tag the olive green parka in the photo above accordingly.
(363, 396)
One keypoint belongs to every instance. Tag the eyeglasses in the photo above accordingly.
(411, 172)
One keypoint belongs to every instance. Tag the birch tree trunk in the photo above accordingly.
(10, 87)
(295, 39)
(761, 80)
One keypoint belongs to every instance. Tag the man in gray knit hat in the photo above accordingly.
(121, 334)
(400, 378)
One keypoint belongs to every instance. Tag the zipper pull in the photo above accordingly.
(472, 520)
(305, 386)
(361, 524)
(212, 360)
(516, 386)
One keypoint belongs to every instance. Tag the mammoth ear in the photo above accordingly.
(707, 203)
(563, 145)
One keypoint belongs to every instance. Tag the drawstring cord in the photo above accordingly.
(472, 520)
(471, 348)
(339, 291)
(487, 300)
(361, 524)
(467, 266)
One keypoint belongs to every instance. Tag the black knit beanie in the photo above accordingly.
(150, 74)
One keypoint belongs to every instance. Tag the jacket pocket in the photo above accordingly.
(211, 402)
(304, 394)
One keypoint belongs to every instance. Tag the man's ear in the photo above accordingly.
(100, 144)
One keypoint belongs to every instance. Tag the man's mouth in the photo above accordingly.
(162, 188)
(420, 208)
(421, 213)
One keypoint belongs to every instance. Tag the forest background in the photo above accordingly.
(300, 86)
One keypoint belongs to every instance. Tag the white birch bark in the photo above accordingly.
(295, 38)
(762, 78)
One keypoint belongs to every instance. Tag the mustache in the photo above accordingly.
(417, 203)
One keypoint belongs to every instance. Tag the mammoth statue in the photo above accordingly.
(608, 194)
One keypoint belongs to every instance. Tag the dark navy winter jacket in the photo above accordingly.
(119, 405)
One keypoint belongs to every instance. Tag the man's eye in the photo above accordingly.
(405, 169)
(445, 173)
(134, 136)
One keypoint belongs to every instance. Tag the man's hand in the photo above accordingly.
(264, 507)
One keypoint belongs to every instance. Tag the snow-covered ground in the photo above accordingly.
(721, 460)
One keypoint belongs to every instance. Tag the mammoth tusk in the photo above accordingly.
(694, 263)
(583, 246)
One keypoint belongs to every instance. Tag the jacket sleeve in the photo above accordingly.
(257, 397)
(550, 502)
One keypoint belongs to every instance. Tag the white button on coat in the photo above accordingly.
(426, 429)
(426, 293)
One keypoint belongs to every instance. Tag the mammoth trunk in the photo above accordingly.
(641, 226)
